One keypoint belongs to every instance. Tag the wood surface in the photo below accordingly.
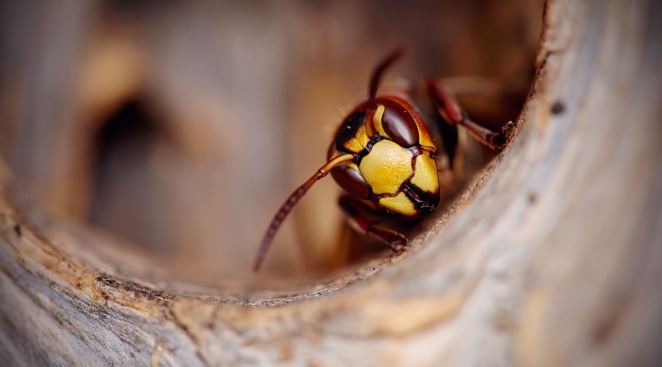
(552, 257)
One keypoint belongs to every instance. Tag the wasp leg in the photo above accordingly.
(451, 111)
(357, 217)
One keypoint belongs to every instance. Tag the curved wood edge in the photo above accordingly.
(551, 258)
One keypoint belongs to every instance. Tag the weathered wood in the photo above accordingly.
(551, 257)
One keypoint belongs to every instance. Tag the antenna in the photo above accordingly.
(290, 203)
(376, 77)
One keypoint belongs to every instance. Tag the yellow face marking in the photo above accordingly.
(359, 141)
(353, 145)
(362, 137)
(377, 120)
(398, 204)
(386, 167)
(425, 174)
(424, 137)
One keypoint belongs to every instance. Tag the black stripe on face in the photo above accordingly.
(424, 202)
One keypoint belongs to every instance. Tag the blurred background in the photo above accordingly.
(181, 126)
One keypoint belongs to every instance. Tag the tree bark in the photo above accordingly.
(549, 258)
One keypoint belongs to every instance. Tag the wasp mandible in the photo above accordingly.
(383, 156)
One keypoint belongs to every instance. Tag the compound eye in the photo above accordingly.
(400, 127)
(352, 181)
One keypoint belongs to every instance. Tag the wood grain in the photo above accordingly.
(552, 256)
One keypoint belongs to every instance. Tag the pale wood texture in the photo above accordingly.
(551, 258)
